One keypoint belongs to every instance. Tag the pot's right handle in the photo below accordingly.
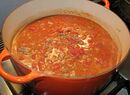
(16, 79)
(107, 3)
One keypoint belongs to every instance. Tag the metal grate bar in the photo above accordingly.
(1, 45)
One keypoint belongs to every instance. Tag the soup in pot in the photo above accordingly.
(65, 45)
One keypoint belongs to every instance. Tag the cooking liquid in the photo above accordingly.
(65, 45)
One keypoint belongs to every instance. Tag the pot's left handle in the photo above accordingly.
(16, 79)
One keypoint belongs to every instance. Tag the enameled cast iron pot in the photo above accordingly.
(51, 85)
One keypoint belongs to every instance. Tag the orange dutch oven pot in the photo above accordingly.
(51, 85)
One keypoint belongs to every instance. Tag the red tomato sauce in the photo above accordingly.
(65, 45)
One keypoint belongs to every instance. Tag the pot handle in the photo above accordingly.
(16, 79)
(107, 3)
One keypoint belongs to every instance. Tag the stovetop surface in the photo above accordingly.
(6, 7)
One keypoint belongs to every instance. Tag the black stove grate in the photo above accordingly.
(1, 44)
(121, 82)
